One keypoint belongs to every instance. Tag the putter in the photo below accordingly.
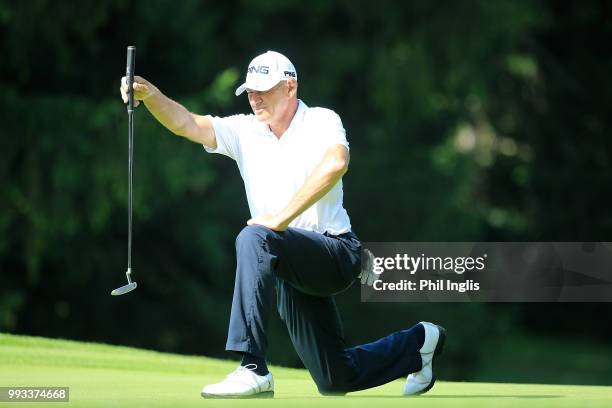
(129, 73)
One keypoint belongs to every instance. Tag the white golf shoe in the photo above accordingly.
(422, 381)
(242, 383)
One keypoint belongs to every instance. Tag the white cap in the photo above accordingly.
(266, 70)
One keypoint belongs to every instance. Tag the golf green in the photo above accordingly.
(110, 376)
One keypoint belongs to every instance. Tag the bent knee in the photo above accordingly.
(331, 392)
(331, 389)
(253, 234)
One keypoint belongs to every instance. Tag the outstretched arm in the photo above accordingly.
(174, 116)
(327, 173)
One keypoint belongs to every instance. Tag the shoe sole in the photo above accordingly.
(266, 394)
(438, 350)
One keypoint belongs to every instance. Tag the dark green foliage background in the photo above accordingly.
(468, 121)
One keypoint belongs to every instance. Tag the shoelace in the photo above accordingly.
(242, 369)
(236, 376)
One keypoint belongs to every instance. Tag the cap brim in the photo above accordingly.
(257, 86)
(240, 89)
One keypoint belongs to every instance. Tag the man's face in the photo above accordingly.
(268, 106)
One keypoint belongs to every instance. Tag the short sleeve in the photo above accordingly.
(330, 128)
(227, 134)
(337, 134)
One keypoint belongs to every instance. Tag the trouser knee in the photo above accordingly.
(253, 236)
(330, 389)
(339, 384)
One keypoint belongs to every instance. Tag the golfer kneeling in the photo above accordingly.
(298, 246)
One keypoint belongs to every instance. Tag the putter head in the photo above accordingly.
(124, 289)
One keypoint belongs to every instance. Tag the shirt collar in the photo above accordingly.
(295, 121)
(297, 118)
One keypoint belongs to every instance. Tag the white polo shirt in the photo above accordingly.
(274, 169)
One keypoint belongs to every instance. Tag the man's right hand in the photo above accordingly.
(143, 89)
(174, 116)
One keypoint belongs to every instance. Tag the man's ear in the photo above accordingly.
(292, 86)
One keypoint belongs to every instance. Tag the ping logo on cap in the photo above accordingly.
(266, 70)
(260, 69)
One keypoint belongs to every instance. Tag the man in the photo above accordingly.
(298, 243)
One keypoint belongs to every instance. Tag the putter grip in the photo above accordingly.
(129, 73)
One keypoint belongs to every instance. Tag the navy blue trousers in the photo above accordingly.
(305, 270)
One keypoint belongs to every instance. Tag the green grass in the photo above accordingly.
(110, 376)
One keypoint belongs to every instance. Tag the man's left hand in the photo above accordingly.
(274, 222)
